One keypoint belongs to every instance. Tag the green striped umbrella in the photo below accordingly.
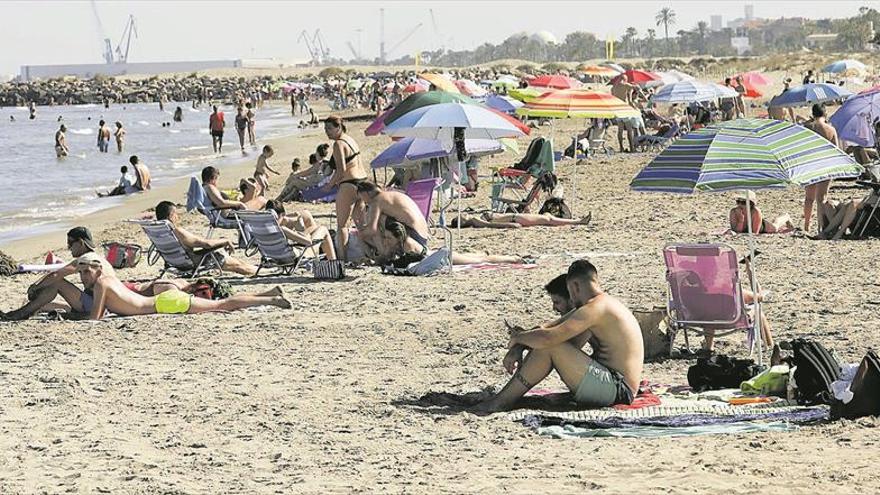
(746, 154)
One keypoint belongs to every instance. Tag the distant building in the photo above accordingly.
(819, 41)
(740, 44)
(750, 12)
(715, 23)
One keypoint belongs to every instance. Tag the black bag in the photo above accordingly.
(866, 391)
(816, 370)
(719, 371)
(556, 207)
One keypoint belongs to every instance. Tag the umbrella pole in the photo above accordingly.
(754, 283)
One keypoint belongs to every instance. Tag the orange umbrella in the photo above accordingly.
(439, 81)
(599, 71)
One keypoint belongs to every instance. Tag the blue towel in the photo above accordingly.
(195, 195)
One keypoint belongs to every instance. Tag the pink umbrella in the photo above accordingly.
(469, 88)
(555, 81)
(872, 89)
(376, 127)
(417, 87)
(754, 78)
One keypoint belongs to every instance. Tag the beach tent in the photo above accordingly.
(745, 154)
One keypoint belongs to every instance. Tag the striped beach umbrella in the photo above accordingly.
(686, 92)
(599, 71)
(745, 154)
(578, 103)
(526, 95)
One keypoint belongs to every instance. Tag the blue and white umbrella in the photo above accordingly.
(440, 121)
(686, 92)
(504, 104)
(845, 66)
(808, 94)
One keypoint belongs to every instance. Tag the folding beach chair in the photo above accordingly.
(545, 184)
(267, 238)
(167, 246)
(197, 199)
(422, 192)
(661, 141)
(538, 159)
(704, 292)
(867, 221)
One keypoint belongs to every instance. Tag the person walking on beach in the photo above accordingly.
(61, 149)
(241, 124)
(103, 137)
(251, 121)
(216, 124)
(815, 193)
(740, 104)
(261, 173)
(119, 134)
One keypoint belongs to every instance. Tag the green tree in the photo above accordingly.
(578, 46)
(649, 41)
(702, 30)
(630, 35)
(666, 17)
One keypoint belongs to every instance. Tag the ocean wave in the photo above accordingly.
(83, 132)
(174, 131)
(193, 148)
(143, 122)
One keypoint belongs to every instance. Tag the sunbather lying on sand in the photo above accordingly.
(839, 217)
(739, 223)
(111, 295)
(609, 376)
(491, 220)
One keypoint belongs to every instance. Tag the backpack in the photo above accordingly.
(719, 371)
(865, 388)
(121, 255)
(556, 207)
(816, 369)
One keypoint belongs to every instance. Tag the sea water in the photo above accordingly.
(38, 191)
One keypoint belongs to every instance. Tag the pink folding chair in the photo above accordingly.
(705, 294)
(422, 192)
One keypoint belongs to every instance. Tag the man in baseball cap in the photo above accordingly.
(82, 246)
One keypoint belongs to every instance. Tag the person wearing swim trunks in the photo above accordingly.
(394, 205)
(61, 149)
(43, 292)
(110, 295)
(216, 124)
(608, 376)
(348, 172)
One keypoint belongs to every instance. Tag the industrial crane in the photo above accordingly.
(403, 40)
(130, 28)
(108, 55)
(316, 46)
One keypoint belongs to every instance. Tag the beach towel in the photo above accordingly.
(493, 266)
(570, 431)
(195, 195)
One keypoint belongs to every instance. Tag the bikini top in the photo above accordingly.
(332, 161)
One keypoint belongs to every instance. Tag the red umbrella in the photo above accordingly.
(639, 77)
(556, 81)
(518, 123)
(751, 90)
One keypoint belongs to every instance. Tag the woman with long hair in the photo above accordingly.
(348, 171)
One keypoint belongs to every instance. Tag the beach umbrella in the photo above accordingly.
(420, 100)
(504, 104)
(444, 122)
(526, 95)
(872, 89)
(416, 87)
(722, 91)
(612, 65)
(469, 88)
(686, 92)
(855, 118)
(754, 78)
(378, 124)
(440, 120)
(639, 77)
(745, 154)
(809, 94)
(555, 81)
(577, 103)
(599, 71)
(440, 81)
(409, 150)
(674, 76)
(847, 65)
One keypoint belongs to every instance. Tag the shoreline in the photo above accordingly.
(50, 237)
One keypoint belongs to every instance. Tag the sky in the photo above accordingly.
(66, 32)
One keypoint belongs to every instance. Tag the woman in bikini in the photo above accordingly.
(491, 220)
(760, 225)
(348, 172)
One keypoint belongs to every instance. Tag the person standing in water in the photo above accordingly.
(32, 108)
(103, 137)
(241, 125)
(216, 123)
(178, 114)
(61, 149)
(119, 134)
(251, 121)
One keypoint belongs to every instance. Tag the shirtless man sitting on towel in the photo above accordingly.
(609, 376)
(395, 205)
(111, 295)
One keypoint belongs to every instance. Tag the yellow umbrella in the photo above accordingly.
(440, 82)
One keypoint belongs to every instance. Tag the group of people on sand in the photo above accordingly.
(142, 179)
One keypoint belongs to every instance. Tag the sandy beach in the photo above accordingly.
(324, 398)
